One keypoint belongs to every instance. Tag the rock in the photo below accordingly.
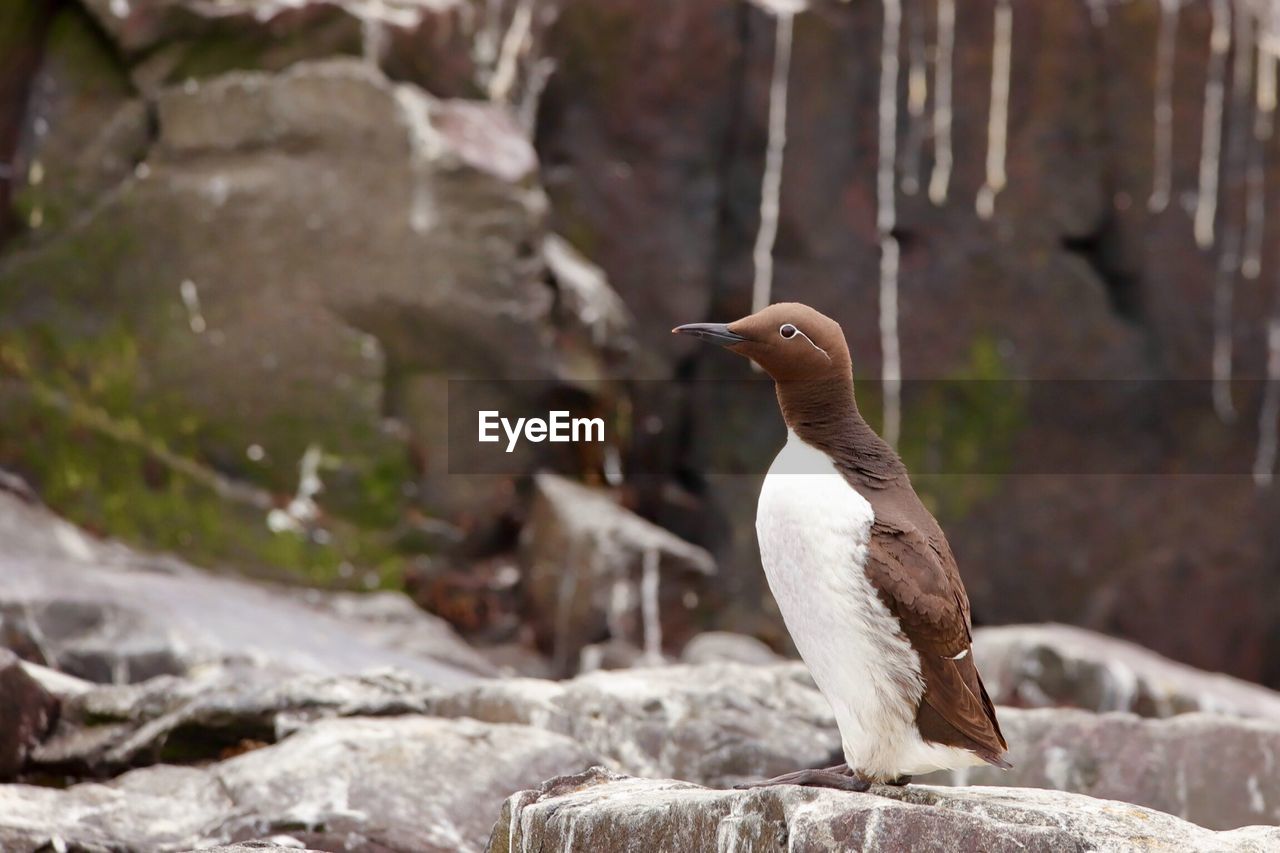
(1035, 666)
(727, 647)
(27, 713)
(216, 711)
(517, 659)
(392, 620)
(717, 724)
(107, 613)
(594, 570)
(592, 306)
(1214, 771)
(59, 684)
(600, 811)
(723, 724)
(363, 784)
(452, 48)
(375, 242)
(22, 34)
(15, 485)
(84, 129)
(614, 654)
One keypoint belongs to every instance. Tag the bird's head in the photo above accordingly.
(790, 341)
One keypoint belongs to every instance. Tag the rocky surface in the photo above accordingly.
(389, 784)
(357, 271)
(1214, 771)
(316, 757)
(600, 811)
(594, 570)
(107, 613)
(723, 724)
(27, 713)
(1035, 666)
(368, 252)
(718, 724)
(727, 647)
(107, 729)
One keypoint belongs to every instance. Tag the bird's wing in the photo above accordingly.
(917, 579)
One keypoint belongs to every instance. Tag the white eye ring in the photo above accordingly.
(787, 331)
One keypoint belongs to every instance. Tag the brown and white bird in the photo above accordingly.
(862, 573)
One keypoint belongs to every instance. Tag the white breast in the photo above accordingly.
(814, 530)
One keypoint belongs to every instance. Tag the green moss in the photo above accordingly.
(81, 326)
(115, 481)
(961, 431)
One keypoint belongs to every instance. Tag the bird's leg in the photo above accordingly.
(839, 777)
(900, 782)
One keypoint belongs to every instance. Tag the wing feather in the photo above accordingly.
(917, 578)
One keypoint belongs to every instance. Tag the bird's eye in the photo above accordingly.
(787, 331)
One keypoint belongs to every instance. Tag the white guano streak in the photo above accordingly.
(373, 34)
(191, 299)
(425, 145)
(1211, 131)
(1162, 166)
(651, 613)
(1264, 462)
(886, 214)
(1263, 127)
(940, 178)
(515, 42)
(771, 183)
(917, 100)
(1237, 152)
(998, 116)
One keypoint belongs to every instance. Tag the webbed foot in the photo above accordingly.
(839, 777)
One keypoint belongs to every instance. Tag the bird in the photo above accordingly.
(862, 573)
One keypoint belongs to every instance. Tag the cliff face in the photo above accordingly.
(1085, 271)
(251, 229)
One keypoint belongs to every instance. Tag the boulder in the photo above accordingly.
(1035, 666)
(453, 48)
(362, 784)
(722, 724)
(728, 647)
(603, 812)
(718, 724)
(595, 570)
(215, 712)
(108, 613)
(27, 713)
(22, 33)
(84, 129)
(374, 243)
(1214, 771)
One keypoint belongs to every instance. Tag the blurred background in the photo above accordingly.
(246, 246)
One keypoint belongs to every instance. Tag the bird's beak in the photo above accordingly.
(716, 333)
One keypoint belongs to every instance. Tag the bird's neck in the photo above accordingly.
(824, 414)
